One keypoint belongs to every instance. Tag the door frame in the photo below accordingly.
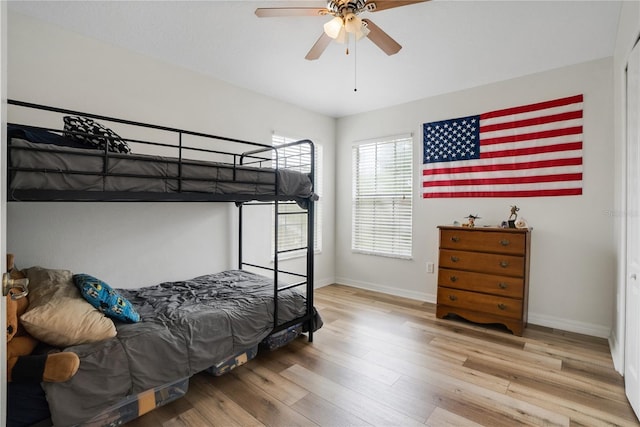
(631, 323)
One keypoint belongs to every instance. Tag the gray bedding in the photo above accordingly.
(159, 174)
(186, 327)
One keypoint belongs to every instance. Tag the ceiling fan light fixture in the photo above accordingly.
(343, 36)
(362, 31)
(334, 27)
(356, 26)
(352, 23)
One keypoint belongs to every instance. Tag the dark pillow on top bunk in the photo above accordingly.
(98, 135)
(41, 136)
(105, 298)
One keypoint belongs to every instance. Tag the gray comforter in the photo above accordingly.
(65, 168)
(186, 327)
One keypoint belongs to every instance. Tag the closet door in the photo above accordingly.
(3, 203)
(632, 323)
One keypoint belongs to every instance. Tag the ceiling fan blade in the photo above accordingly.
(382, 39)
(377, 5)
(272, 12)
(319, 47)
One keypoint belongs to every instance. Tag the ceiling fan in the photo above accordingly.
(345, 21)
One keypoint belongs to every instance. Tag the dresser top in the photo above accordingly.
(484, 228)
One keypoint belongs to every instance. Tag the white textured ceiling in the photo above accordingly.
(447, 45)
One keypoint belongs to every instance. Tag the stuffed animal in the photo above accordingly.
(22, 365)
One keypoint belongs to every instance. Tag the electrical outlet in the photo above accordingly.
(430, 267)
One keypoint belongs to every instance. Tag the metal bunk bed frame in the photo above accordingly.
(255, 156)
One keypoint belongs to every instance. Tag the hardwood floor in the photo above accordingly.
(387, 361)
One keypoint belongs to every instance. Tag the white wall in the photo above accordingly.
(628, 32)
(573, 250)
(132, 244)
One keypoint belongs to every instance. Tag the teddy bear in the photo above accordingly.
(22, 365)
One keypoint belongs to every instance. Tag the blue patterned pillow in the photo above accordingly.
(106, 299)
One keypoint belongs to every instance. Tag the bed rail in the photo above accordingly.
(180, 176)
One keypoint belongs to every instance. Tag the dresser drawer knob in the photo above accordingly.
(453, 297)
(454, 259)
(502, 306)
(502, 285)
(504, 264)
(453, 278)
(504, 242)
(455, 239)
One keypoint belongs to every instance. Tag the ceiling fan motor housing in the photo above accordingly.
(342, 7)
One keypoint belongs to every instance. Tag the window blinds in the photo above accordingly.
(382, 197)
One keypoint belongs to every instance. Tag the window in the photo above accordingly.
(292, 230)
(382, 197)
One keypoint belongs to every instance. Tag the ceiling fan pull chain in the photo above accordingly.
(355, 66)
(347, 43)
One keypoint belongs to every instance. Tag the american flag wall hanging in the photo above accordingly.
(528, 151)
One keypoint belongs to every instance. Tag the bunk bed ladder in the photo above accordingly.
(307, 278)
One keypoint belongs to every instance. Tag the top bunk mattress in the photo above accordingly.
(50, 172)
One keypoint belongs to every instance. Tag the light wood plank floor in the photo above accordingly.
(381, 360)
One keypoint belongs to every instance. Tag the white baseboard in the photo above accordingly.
(319, 283)
(617, 354)
(420, 296)
(568, 325)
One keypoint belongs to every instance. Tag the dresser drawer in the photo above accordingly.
(503, 265)
(490, 304)
(512, 287)
(485, 241)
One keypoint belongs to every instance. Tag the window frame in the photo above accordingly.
(389, 232)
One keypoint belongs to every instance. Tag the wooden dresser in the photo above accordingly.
(483, 275)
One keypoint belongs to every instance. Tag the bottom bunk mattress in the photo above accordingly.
(186, 327)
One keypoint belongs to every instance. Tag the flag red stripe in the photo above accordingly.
(506, 167)
(503, 181)
(570, 115)
(532, 150)
(533, 107)
(525, 193)
(576, 130)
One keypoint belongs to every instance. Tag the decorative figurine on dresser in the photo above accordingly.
(483, 275)
(471, 220)
(513, 217)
